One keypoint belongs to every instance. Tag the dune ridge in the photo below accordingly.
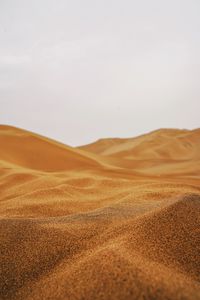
(117, 219)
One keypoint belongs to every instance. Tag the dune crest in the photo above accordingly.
(116, 219)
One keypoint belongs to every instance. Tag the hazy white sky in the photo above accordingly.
(81, 70)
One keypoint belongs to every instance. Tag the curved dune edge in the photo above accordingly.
(74, 225)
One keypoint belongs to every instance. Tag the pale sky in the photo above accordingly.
(77, 71)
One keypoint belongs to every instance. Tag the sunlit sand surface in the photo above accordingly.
(116, 219)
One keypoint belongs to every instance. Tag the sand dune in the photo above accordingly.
(164, 151)
(117, 219)
(163, 143)
(32, 151)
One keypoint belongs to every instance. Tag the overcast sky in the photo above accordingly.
(81, 70)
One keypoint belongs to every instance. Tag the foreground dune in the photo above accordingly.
(117, 219)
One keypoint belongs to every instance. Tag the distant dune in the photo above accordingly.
(162, 151)
(115, 219)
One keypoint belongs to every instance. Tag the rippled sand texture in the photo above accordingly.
(116, 219)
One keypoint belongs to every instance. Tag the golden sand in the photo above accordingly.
(116, 219)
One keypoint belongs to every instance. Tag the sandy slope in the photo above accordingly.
(118, 219)
(164, 151)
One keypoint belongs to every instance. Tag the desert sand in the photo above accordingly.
(115, 219)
